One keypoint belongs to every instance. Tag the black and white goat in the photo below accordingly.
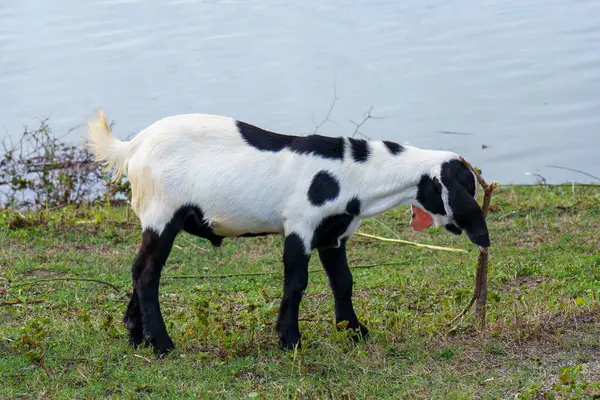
(216, 177)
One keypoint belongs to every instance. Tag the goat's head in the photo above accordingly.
(449, 200)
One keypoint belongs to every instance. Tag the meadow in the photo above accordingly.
(65, 282)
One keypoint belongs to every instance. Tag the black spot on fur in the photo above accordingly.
(193, 223)
(429, 194)
(330, 230)
(393, 147)
(262, 139)
(324, 187)
(467, 214)
(353, 206)
(322, 146)
(360, 149)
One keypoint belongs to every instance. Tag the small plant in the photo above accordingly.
(495, 349)
(31, 343)
(43, 171)
(446, 354)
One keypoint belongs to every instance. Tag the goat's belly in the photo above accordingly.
(230, 228)
(237, 221)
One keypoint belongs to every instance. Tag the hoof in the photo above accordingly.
(357, 331)
(136, 333)
(136, 338)
(290, 340)
(161, 346)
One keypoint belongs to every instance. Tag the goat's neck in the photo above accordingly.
(392, 180)
(383, 198)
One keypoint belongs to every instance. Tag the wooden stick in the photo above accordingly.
(480, 291)
(481, 288)
(422, 246)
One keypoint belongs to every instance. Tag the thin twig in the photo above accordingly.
(423, 246)
(577, 184)
(217, 276)
(359, 125)
(143, 358)
(68, 279)
(573, 170)
(42, 364)
(331, 107)
(12, 303)
(480, 179)
(317, 270)
(464, 311)
(201, 249)
(387, 227)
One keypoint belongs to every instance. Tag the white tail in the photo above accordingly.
(105, 147)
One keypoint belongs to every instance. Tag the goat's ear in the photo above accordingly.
(467, 214)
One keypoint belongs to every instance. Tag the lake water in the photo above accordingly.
(521, 77)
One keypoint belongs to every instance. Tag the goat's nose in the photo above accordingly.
(481, 238)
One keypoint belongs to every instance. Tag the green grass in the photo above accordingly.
(64, 339)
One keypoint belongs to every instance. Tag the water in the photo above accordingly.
(521, 77)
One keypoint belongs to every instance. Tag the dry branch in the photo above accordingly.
(480, 291)
(360, 124)
(331, 107)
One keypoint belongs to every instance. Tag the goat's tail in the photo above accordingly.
(113, 152)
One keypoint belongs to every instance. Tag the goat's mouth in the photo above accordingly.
(453, 228)
(421, 219)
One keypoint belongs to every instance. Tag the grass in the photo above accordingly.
(64, 339)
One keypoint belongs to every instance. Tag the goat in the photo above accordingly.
(216, 177)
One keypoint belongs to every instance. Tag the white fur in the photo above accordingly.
(204, 161)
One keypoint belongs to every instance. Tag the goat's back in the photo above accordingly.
(203, 160)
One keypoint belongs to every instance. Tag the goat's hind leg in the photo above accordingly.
(146, 272)
(143, 317)
(133, 315)
(133, 320)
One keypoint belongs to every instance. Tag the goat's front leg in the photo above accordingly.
(295, 260)
(335, 262)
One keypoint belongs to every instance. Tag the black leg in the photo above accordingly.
(133, 320)
(146, 272)
(335, 262)
(295, 262)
